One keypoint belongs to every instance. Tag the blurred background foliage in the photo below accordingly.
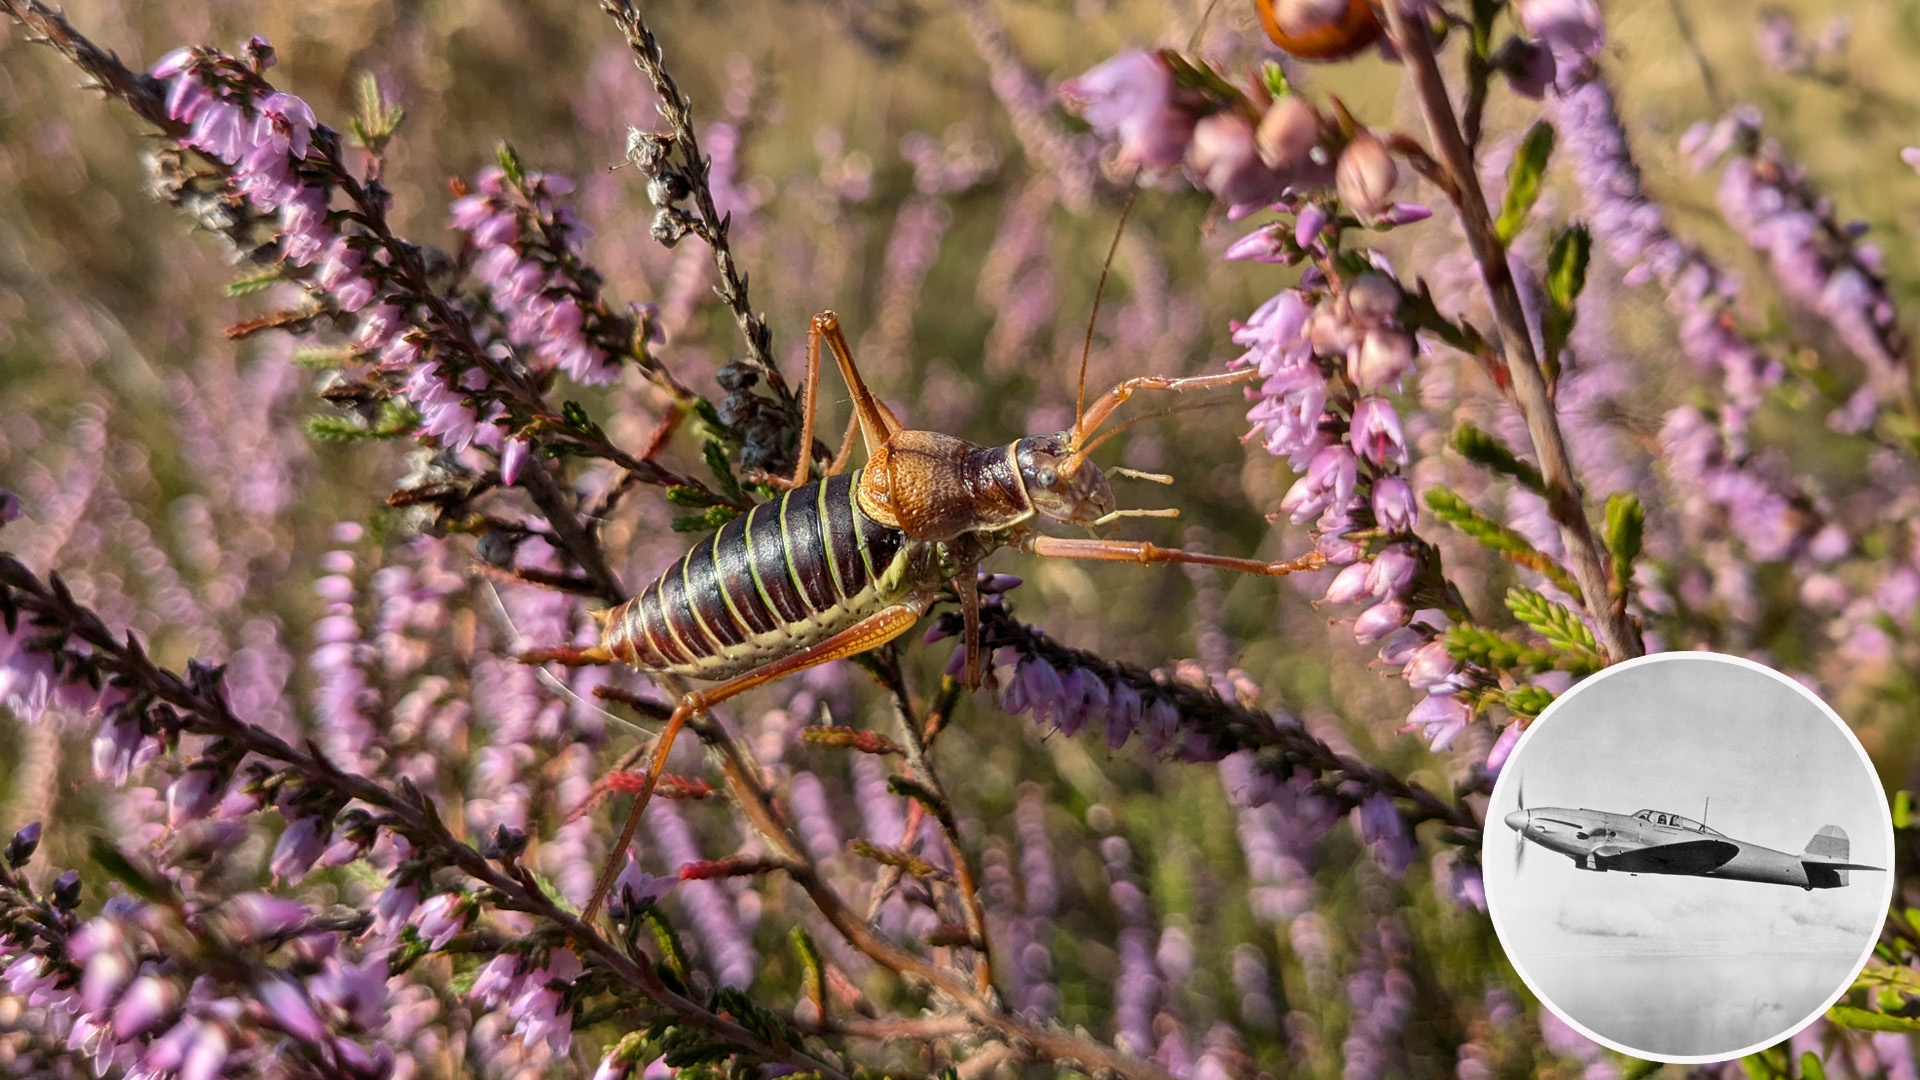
(104, 292)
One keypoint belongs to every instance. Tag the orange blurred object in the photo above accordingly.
(1319, 29)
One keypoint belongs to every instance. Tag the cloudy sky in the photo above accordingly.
(1684, 964)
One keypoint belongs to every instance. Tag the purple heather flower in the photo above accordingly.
(1434, 670)
(1394, 507)
(9, 506)
(1398, 647)
(1503, 746)
(536, 1007)
(513, 459)
(193, 795)
(1393, 571)
(1377, 435)
(443, 916)
(1329, 482)
(1309, 223)
(300, 843)
(206, 1056)
(635, 889)
(1384, 832)
(1365, 176)
(1287, 416)
(259, 916)
(1227, 163)
(358, 990)
(1440, 717)
(147, 1002)
(1035, 686)
(287, 1004)
(1086, 695)
(1380, 620)
(1159, 724)
(1383, 356)
(1572, 28)
(1350, 584)
(1131, 97)
(395, 907)
(1287, 137)
(1123, 714)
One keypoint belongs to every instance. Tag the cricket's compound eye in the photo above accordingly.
(1059, 489)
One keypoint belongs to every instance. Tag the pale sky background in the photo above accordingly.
(1693, 955)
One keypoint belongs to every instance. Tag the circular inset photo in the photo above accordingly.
(1687, 857)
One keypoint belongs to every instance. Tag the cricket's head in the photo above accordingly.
(1062, 485)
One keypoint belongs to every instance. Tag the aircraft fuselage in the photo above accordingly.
(1652, 842)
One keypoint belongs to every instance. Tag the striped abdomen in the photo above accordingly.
(788, 574)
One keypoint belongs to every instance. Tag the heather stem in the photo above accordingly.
(1045, 1042)
(1564, 500)
(920, 762)
(678, 113)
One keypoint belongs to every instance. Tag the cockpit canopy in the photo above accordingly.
(1674, 821)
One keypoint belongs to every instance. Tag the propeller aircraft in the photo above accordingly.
(1657, 842)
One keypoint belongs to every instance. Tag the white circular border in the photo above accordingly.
(1508, 770)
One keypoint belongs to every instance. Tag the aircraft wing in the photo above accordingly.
(1841, 865)
(1686, 857)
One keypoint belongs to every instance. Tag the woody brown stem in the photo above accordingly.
(1616, 631)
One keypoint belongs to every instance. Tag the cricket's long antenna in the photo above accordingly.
(1080, 398)
(500, 612)
(1087, 448)
(1200, 28)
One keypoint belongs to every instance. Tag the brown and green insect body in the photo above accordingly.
(796, 570)
(845, 564)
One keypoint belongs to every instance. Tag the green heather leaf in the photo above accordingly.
(1555, 622)
(1866, 1020)
(715, 517)
(1489, 450)
(1626, 525)
(1566, 277)
(1448, 506)
(1523, 181)
(335, 428)
(1529, 700)
(249, 284)
(1275, 78)
(322, 356)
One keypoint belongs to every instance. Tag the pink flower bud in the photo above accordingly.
(1350, 584)
(1329, 481)
(1329, 330)
(1393, 571)
(1377, 435)
(1503, 746)
(513, 459)
(1287, 136)
(1307, 227)
(1373, 298)
(1132, 97)
(1365, 176)
(1227, 163)
(1431, 666)
(1440, 717)
(1572, 28)
(1393, 505)
(1380, 620)
(1383, 357)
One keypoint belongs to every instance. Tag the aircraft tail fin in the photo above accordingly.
(1829, 845)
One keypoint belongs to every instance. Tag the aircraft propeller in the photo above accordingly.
(1520, 834)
